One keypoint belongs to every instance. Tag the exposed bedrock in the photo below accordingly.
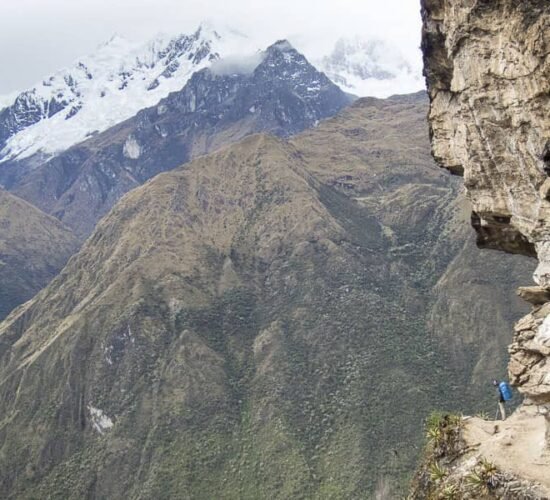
(488, 73)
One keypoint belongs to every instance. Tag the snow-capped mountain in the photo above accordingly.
(276, 91)
(124, 77)
(371, 68)
(104, 89)
(7, 100)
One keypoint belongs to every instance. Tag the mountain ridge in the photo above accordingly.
(122, 77)
(104, 89)
(34, 247)
(283, 95)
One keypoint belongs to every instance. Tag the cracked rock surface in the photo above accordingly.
(488, 73)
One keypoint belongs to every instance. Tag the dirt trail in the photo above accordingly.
(515, 445)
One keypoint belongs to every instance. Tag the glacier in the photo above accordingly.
(372, 68)
(108, 87)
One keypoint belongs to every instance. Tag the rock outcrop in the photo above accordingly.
(488, 73)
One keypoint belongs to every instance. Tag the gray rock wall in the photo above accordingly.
(488, 74)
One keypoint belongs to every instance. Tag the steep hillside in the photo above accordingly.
(276, 91)
(255, 324)
(33, 249)
(376, 153)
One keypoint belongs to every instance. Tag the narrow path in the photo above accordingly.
(515, 445)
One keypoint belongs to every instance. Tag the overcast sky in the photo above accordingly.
(38, 37)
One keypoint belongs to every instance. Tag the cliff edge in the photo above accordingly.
(487, 70)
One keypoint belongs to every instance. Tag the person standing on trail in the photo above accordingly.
(504, 394)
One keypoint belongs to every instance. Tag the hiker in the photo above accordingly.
(504, 394)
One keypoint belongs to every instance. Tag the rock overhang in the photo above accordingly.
(487, 68)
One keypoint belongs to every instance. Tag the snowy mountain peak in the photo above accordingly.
(371, 67)
(123, 77)
(282, 62)
(282, 53)
(116, 40)
(105, 88)
(282, 46)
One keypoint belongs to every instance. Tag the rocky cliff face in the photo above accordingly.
(488, 72)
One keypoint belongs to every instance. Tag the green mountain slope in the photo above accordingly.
(264, 322)
(33, 249)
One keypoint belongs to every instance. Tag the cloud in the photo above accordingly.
(40, 36)
(237, 65)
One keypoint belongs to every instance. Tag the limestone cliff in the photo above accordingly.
(488, 74)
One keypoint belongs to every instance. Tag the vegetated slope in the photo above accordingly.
(34, 247)
(280, 93)
(254, 324)
(378, 154)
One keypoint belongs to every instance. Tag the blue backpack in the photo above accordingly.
(505, 391)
